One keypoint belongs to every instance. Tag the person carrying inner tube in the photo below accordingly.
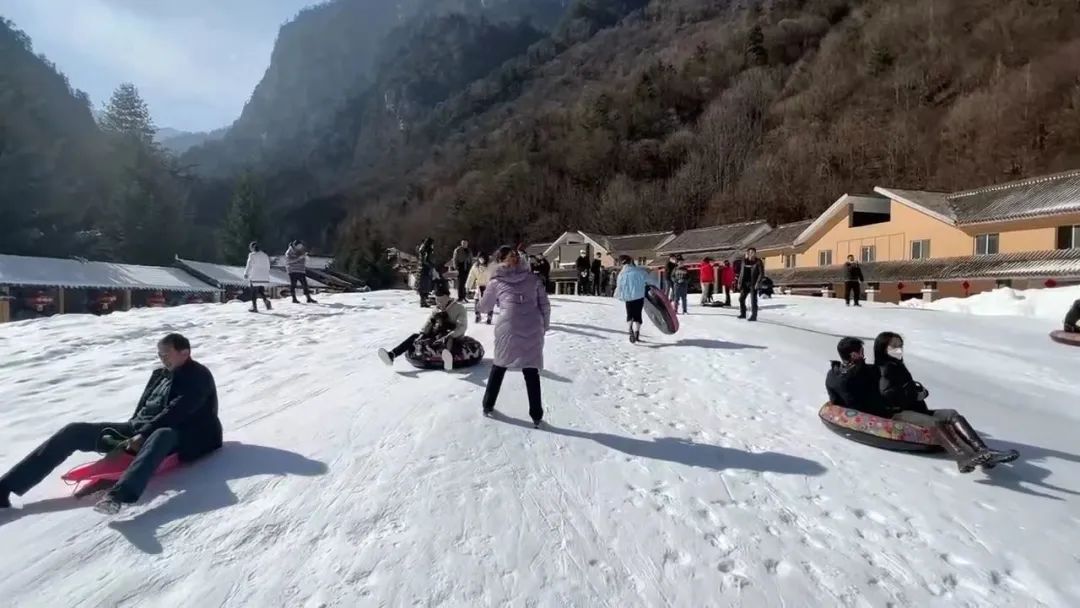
(630, 288)
(907, 397)
(1072, 319)
(449, 321)
(853, 383)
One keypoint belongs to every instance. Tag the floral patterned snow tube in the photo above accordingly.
(878, 432)
(467, 352)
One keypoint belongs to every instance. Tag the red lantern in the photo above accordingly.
(156, 300)
(1050, 283)
(39, 301)
(105, 300)
(966, 285)
(900, 286)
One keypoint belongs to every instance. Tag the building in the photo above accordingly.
(34, 287)
(564, 251)
(920, 244)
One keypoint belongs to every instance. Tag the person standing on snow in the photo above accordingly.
(727, 280)
(296, 266)
(904, 395)
(582, 266)
(257, 273)
(597, 270)
(853, 279)
(177, 413)
(463, 259)
(707, 273)
(750, 271)
(666, 282)
(680, 277)
(524, 318)
(478, 280)
(425, 277)
(448, 322)
(1072, 319)
(630, 288)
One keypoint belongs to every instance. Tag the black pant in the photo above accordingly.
(596, 284)
(86, 437)
(745, 291)
(298, 278)
(633, 310)
(583, 285)
(462, 275)
(532, 387)
(727, 295)
(258, 292)
(405, 346)
(851, 288)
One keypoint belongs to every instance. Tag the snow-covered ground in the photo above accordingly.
(1005, 301)
(686, 471)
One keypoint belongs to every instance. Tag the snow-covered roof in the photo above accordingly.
(60, 272)
(315, 262)
(233, 276)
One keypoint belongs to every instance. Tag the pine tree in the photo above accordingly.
(127, 114)
(755, 47)
(245, 222)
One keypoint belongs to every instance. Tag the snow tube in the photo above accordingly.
(1064, 337)
(467, 353)
(878, 432)
(660, 311)
(102, 474)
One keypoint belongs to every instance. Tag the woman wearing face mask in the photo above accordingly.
(524, 318)
(901, 392)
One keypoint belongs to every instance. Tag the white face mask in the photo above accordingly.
(895, 353)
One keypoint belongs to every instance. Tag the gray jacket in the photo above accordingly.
(296, 260)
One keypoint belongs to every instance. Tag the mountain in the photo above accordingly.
(178, 142)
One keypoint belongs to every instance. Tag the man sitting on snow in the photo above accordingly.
(449, 321)
(1072, 319)
(853, 383)
(178, 412)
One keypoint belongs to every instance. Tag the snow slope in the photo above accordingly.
(1051, 304)
(686, 471)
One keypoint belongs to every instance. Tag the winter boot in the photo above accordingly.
(311, 300)
(967, 458)
(108, 505)
(489, 320)
(295, 301)
(477, 318)
(752, 318)
(386, 357)
(968, 434)
(268, 306)
(448, 360)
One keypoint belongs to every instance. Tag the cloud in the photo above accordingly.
(195, 62)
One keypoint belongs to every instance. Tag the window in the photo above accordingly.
(920, 250)
(824, 258)
(986, 244)
(1068, 237)
(789, 260)
(869, 253)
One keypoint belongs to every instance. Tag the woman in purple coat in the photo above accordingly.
(524, 318)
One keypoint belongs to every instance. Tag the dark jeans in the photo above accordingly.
(86, 437)
(680, 296)
(301, 279)
(934, 418)
(851, 288)
(258, 292)
(750, 292)
(596, 284)
(727, 295)
(405, 346)
(583, 286)
(462, 275)
(532, 387)
(634, 309)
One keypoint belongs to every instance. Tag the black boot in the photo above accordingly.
(968, 434)
(967, 458)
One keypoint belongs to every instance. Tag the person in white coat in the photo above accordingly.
(478, 281)
(257, 273)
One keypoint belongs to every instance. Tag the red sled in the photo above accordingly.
(103, 474)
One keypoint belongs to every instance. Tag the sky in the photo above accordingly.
(195, 62)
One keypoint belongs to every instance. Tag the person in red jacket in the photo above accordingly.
(708, 279)
(727, 279)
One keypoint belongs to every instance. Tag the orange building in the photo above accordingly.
(933, 244)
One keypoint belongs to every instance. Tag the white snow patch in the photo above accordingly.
(1005, 301)
(685, 471)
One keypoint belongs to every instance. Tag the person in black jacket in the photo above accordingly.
(583, 269)
(178, 413)
(853, 383)
(749, 272)
(1072, 319)
(597, 269)
(853, 278)
(907, 397)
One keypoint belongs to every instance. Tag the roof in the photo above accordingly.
(782, 236)
(233, 276)
(1036, 264)
(714, 238)
(60, 272)
(1035, 197)
(632, 243)
(537, 249)
(316, 262)
(697, 257)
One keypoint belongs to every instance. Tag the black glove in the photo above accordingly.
(920, 392)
